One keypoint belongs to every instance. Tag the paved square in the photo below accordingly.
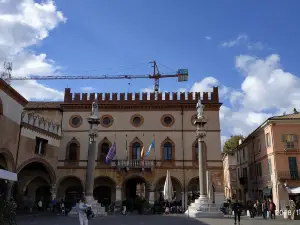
(144, 220)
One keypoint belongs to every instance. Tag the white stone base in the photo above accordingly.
(96, 207)
(202, 207)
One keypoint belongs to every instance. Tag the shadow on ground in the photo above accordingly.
(111, 220)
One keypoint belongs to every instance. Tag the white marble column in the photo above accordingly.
(151, 195)
(119, 194)
(53, 191)
(184, 200)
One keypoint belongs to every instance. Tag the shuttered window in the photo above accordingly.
(293, 167)
(290, 141)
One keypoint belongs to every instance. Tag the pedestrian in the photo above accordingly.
(40, 205)
(54, 205)
(237, 209)
(82, 207)
(293, 209)
(265, 209)
(272, 209)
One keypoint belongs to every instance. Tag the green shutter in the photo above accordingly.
(295, 138)
(293, 167)
(283, 138)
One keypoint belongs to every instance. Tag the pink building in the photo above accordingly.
(272, 153)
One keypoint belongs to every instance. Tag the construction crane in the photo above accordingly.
(181, 74)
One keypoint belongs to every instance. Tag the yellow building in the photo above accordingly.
(50, 156)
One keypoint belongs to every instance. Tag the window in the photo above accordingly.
(258, 170)
(245, 174)
(106, 120)
(168, 151)
(196, 150)
(270, 166)
(75, 121)
(167, 120)
(268, 140)
(40, 146)
(137, 120)
(258, 146)
(136, 151)
(290, 141)
(293, 168)
(243, 154)
(73, 148)
(104, 151)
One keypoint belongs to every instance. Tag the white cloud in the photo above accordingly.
(240, 38)
(207, 38)
(24, 23)
(148, 90)
(88, 89)
(243, 40)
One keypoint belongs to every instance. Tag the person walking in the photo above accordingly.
(237, 209)
(272, 209)
(265, 209)
(82, 207)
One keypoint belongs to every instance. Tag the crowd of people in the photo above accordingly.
(265, 209)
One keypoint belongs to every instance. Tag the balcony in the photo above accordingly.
(134, 164)
(289, 175)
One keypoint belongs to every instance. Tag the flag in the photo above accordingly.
(142, 153)
(152, 146)
(111, 154)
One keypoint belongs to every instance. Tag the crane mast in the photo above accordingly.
(181, 74)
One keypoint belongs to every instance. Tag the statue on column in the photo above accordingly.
(199, 108)
(95, 109)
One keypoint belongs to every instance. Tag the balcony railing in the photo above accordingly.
(134, 164)
(289, 175)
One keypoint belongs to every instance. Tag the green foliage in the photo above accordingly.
(231, 143)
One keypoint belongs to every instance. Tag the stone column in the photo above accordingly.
(53, 191)
(151, 195)
(89, 183)
(118, 195)
(202, 169)
(9, 187)
(184, 196)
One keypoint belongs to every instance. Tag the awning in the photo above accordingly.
(6, 175)
(293, 190)
(267, 191)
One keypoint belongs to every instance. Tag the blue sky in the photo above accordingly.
(248, 48)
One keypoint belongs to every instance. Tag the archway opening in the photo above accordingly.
(177, 190)
(135, 189)
(3, 166)
(105, 191)
(70, 190)
(34, 184)
(193, 190)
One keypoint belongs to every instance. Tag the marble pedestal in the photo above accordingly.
(204, 208)
(96, 207)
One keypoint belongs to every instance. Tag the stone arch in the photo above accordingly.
(193, 184)
(162, 149)
(42, 161)
(105, 190)
(73, 141)
(9, 159)
(69, 188)
(36, 178)
(129, 185)
(195, 153)
(177, 187)
(100, 155)
(132, 145)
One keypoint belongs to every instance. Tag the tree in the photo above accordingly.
(295, 111)
(232, 143)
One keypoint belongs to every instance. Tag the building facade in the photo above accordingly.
(273, 160)
(53, 146)
(230, 175)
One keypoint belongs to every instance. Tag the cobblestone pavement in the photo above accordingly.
(143, 220)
